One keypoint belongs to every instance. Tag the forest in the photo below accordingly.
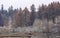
(26, 18)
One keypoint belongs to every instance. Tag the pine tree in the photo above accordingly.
(33, 14)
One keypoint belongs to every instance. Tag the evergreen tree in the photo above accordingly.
(33, 14)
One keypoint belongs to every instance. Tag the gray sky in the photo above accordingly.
(24, 3)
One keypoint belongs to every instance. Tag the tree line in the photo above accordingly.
(26, 18)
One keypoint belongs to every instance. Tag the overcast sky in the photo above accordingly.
(24, 3)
